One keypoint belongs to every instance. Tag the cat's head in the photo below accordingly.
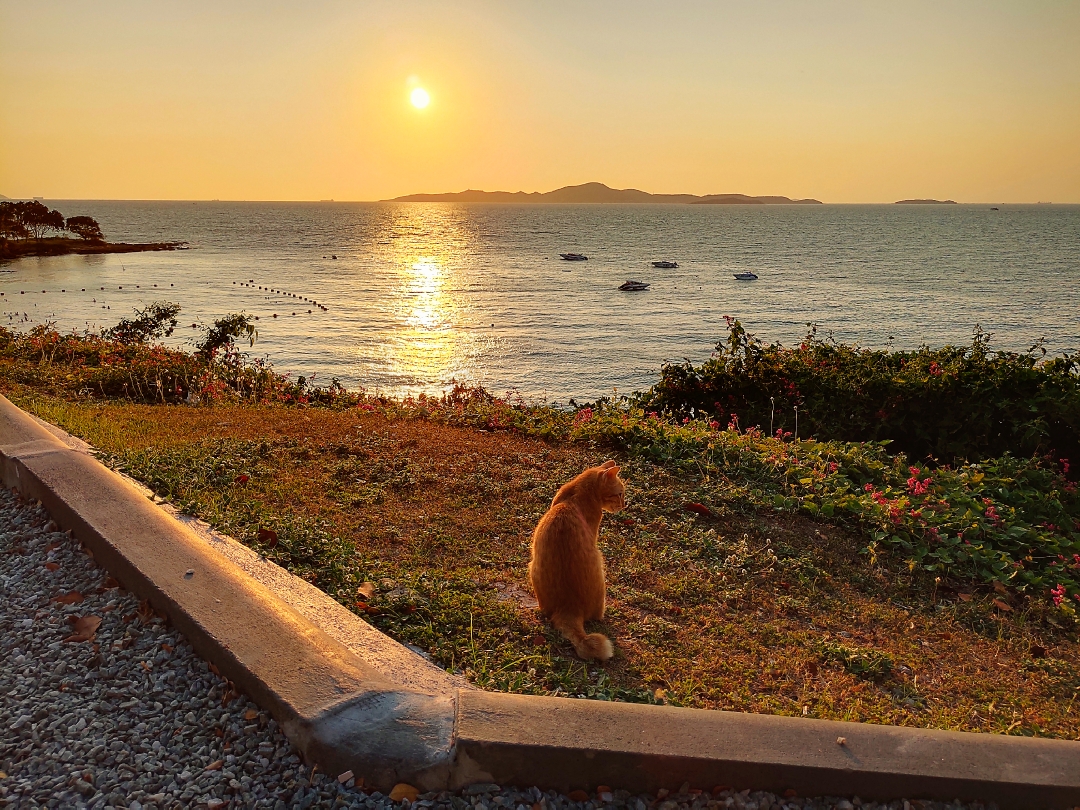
(611, 488)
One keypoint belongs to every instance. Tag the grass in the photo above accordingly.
(744, 605)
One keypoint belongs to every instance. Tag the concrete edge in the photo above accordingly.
(345, 715)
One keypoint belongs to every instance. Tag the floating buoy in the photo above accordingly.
(275, 314)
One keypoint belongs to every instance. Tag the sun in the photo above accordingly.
(420, 98)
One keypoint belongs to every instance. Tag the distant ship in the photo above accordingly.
(574, 257)
(633, 286)
(747, 276)
(665, 265)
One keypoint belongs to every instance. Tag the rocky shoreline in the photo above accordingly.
(63, 247)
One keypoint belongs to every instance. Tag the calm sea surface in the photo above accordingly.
(421, 294)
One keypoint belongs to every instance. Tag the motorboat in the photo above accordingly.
(574, 257)
(633, 286)
(665, 265)
(747, 276)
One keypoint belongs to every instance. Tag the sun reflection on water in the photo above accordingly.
(425, 251)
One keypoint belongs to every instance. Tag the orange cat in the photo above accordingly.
(567, 569)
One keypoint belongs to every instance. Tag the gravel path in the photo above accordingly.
(122, 713)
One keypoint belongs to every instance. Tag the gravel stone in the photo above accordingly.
(133, 717)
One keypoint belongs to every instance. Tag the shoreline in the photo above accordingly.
(66, 247)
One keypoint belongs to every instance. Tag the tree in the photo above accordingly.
(11, 226)
(150, 323)
(38, 219)
(224, 333)
(85, 228)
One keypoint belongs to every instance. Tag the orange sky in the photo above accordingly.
(843, 101)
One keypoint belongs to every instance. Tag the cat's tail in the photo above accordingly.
(586, 645)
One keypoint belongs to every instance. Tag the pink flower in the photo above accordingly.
(714, 425)
(935, 369)
(1058, 594)
(1064, 466)
(734, 423)
(868, 488)
(833, 466)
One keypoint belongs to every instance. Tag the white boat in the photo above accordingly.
(747, 276)
(633, 286)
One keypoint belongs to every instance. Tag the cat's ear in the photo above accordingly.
(607, 464)
(611, 472)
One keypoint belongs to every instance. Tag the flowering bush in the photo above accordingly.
(951, 403)
(91, 365)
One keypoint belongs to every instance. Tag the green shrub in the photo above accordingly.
(951, 404)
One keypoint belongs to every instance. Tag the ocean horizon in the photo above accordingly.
(423, 294)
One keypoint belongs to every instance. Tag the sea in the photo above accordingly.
(420, 295)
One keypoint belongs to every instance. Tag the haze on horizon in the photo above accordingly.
(842, 101)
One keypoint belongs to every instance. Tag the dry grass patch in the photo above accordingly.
(750, 610)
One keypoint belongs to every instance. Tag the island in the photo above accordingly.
(599, 193)
(925, 202)
(30, 228)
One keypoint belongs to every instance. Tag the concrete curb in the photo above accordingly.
(352, 699)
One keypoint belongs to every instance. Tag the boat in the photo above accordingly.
(574, 257)
(747, 276)
(665, 265)
(633, 286)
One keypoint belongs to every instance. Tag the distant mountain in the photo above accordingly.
(925, 202)
(598, 193)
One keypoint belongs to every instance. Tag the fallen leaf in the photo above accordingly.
(215, 765)
(578, 795)
(538, 640)
(1000, 587)
(242, 479)
(251, 714)
(812, 668)
(606, 789)
(51, 566)
(367, 590)
(1037, 651)
(1002, 605)
(69, 598)
(145, 665)
(404, 791)
(214, 669)
(699, 508)
(268, 536)
(110, 582)
(167, 647)
(371, 611)
(51, 547)
(85, 627)
(964, 597)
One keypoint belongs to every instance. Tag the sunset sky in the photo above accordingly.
(843, 101)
